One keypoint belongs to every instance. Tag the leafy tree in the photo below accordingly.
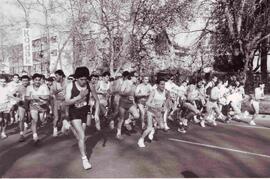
(238, 29)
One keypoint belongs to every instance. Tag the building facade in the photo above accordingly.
(42, 52)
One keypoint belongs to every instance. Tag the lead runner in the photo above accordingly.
(77, 98)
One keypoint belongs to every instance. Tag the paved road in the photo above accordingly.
(233, 150)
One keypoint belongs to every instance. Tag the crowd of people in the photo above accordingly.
(123, 102)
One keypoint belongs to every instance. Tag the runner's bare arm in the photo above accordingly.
(137, 91)
(93, 90)
(150, 99)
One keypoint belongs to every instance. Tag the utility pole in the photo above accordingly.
(27, 24)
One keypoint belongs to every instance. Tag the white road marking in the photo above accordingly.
(221, 148)
(246, 126)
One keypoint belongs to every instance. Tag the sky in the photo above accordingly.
(10, 10)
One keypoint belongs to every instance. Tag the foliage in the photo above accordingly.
(239, 27)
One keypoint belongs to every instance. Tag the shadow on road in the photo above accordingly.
(17, 151)
(189, 174)
(92, 141)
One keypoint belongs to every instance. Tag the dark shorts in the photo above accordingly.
(79, 113)
(14, 107)
(4, 115)
(247, 106)
(22, 104)
(38, 106)
(125, 103)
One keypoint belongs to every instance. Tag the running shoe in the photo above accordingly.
(214, 123)
(166, 127)
(202, 123)
(196, 120)
(22, 138)
(86, 164)
(228, 119)
(183, 131)
(119, 137)
(35, 138)
(252, 123)
(141, 143)
(3, 136)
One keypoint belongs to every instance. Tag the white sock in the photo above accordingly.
(35, 135)
(21, 133)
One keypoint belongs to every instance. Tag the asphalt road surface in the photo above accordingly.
(228, 150)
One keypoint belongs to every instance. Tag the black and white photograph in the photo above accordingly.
(134, 88)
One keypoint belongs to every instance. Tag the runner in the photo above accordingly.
(38, 95)
(142, 93)
(115, 88)
(102, 89)
(211, 84)
(259, 91)
(58, 97)
(155, 104)
(77, 98)
(13, 86)
(127, 102)
(171, 105)
(254, 105)
(5, 105)
(93, 81)
(22, 105)
(212, 106)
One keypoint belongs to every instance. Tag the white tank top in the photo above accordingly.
(159, 98)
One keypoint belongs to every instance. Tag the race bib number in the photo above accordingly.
(80, 104)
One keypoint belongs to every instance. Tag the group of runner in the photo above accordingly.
(124, 101)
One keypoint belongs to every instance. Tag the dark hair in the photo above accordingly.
(81, 72)
(50, 79)
(25, 77)
(192, 80)
(60, 72)
(160, 78)
(93, 76)
(16, 75)
(218, 82)
(125, 74)
(131, 74)
(106, 74)
(36, 75)
(3, 77)
(224, 80)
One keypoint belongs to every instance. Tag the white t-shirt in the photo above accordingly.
(102, 86)
(259, 93)
(13, 85)
(144, 90)
(4, 93)
(43, 90)
(5, 102)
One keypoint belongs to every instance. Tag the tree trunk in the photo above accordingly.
(264, 61)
